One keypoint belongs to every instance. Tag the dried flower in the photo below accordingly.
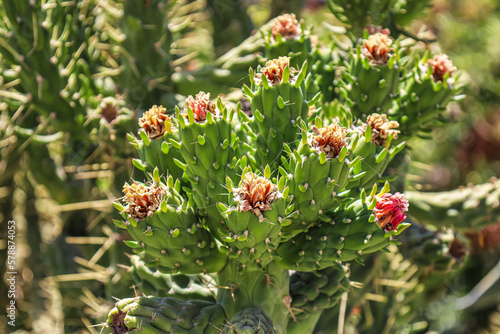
(440, 66)
(109, 111)
(142, 200)
(200, 106)
(287, 26)
(390, 210)
(377, 48)
(329, 139)
(382, 128)
(274, 70)
(155, 122)
(256, 194)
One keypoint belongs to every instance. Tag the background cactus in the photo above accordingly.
(296, 166)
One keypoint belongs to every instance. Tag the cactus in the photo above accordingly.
(457, 208)
(314, 292)
(248, 196)
(155, 283)
(250, 320)
(164, 226)
(371, 79)
(429, 87)
(165, 315)
(243, 221)
(393, 14)
(255, 211)
(238, 218)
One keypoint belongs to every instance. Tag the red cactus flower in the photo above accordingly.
(390, 210)
(440, 66)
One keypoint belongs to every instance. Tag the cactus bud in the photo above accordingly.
(287, 26)
(274, 70)
(200, 105)
(440, 66)
(377, 48)
(390, 210)
(155, 122)
(381, 128)
(256, 194)
(142, 201)
(329, 139)
(373, 29)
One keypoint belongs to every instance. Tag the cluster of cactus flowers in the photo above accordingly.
(275, 204)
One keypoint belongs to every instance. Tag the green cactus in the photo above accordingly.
(250, 195)
(340, 236)
(165, 315)
(425, 94)
(314, 292)
(458, 208)
(164, 226)
(184, 287)
(277, 99)
(370, 82)
(394, 14)
(440, 251)
(288, 38)
(249, 228)
(250, 320)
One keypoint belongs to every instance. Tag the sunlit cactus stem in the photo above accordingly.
(370, 82)
(431, 86)
(277, 99)
(208, 145)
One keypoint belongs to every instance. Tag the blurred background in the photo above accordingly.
(76, 75)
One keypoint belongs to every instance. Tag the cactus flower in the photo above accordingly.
(390, 210)
(440, 66)
(155, 122)
(377, 48)
(329, 139)
(382, 128)
(142, 201)
(256, 194)
(200, 105)
(274, 69)
(287, 26)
